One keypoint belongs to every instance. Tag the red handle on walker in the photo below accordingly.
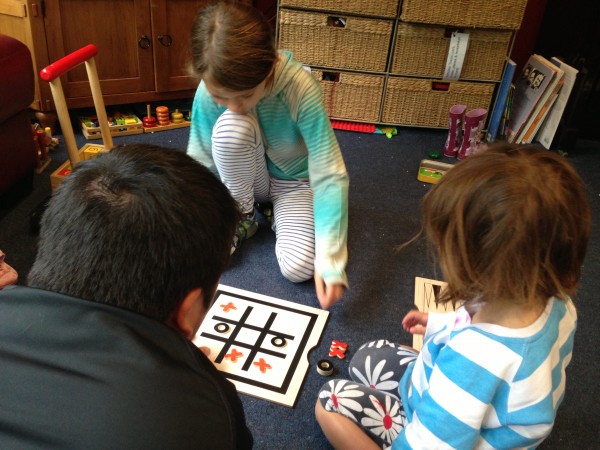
(67, 63)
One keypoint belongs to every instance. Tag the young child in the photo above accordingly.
(258, 120)
(510, 226)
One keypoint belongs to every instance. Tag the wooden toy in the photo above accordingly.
(325, 368)
(176, 117)
(427, 292)
(432, 171)
(166, 121)
(121, 124)
(338, 349)
(162, 115)
(149, 121)
(261, 343)
(42, 142)
(52, 74)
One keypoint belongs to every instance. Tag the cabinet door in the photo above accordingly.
(125, 59)
(172, 22)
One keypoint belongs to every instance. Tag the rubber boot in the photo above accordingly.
(474, 121)
(457, 113)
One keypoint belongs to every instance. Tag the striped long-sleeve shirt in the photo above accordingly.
(487, 386)
(300, 145)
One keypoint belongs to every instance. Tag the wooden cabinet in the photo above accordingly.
(143, 46)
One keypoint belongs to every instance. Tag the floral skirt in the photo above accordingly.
(371, 399)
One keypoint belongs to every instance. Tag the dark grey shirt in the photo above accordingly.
(79, 374)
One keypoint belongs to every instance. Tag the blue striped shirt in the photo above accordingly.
(300, 145)
(487, 386)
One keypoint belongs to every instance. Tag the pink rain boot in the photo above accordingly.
(457, 113)
(474, 121)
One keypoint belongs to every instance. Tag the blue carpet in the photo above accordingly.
(384, 212)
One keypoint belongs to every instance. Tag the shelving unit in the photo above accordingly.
(385, 62)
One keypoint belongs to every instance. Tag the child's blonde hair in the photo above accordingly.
(233, 45)
(509, 224)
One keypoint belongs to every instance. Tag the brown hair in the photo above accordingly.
(233, 45)
(509, 224)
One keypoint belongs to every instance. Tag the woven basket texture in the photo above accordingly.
(352, 96)
(362, 44)
(506, 14)
(422, 50)
(383, 8)
(415, 101)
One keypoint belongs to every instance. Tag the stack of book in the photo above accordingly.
(539, 98)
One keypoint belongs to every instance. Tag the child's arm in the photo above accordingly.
(329, 183)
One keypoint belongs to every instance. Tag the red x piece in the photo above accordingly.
(262, 365)
(228, 307)
(339, 344)
(234, 355)
(338, 349)
(340, 353)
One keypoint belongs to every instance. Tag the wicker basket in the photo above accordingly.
(352, 96)
(506, 14)
(422, 50)
(382, 8)
(317, 40)
(424, 102)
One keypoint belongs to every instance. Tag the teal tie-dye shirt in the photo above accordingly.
(300, 145)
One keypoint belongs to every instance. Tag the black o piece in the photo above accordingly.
(221, 328)
(324, 367)
(278, 341)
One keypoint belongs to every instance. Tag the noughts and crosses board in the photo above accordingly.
(261, 343)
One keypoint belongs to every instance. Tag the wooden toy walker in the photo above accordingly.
(52, 75)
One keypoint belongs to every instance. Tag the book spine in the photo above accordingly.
(500, 107)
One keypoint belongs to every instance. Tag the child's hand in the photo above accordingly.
(415, 322)
(328, 294)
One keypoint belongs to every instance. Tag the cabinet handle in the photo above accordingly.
(165, 40)
(145, 42)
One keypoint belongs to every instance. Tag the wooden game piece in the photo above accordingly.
(229, 306)
(338, 349)
(162, 115)
(149, 121)
(177, 117)
(234, 355)
(279, 342)
(221, 328)
(324, 367)
(262, 365)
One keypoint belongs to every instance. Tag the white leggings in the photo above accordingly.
(239, 155)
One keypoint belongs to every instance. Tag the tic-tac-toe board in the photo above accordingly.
(261, 343)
